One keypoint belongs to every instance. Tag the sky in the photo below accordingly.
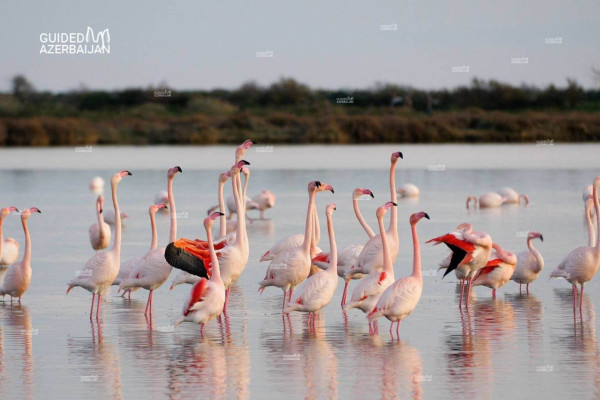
(325, 44)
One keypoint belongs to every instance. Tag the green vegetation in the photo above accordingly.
(289, 112)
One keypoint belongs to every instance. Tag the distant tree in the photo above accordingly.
(21, 88)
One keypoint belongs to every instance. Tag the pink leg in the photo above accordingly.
(290, 295)
(92, 308)
(226, 300)
(98, 307)
(519, 288)
(262, 214)
(469, 291)
(398, 329)
(391, 326)
(493, 293)
(574, 297)
(148, 303)
(202, 329)
(527, 287)
(462, 292)
(345, 291)
(284, 298)
(580, 299)
(129, 294)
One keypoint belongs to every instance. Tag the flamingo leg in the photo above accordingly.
(226, 300)
(148, 302)
(92, 308)
(580, 299)
(262, 214)
(527, 287)
(398, 329)
(574, 297)
(98, 307)
(469, 292)
(290, 295)
(129, 294)
(202, 329)
(520, 288)
(462, 292)
(493, 293)
(284, 298)
(391, 326)
(345, 291)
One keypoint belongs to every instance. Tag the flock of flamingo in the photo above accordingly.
(213, 266)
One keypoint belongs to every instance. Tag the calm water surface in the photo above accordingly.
(512, 347)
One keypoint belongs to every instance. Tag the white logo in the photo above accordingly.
(75, 42)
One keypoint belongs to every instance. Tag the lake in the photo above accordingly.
(515, 346)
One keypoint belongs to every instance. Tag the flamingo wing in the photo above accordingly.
(199, 291)
(188, 258)
(462, 250)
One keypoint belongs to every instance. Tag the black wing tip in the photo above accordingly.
(184, 261)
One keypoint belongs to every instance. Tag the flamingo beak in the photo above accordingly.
(426, 215)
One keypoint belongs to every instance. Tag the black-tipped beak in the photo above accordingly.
(332, 191)
(401, 155)
(542, 238)
(38, 210)
(372, 195)
(129, 173)
(335, 208)
(253, 141)
(395, 204)
(221, 213)
(426, 216)
(101, 211)
(245, 162)
(179, 169)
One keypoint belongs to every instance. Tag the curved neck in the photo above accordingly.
(216, 271)
(361, 220)
(393, 229)
(27, 254)
(173, 233)
(387, 256)
(538, 256)
(306, 245)
(591, 230)
(416, 252)
(246, 179)
(154, 242)
(241, 210)
(332, 247)
(222, 218)
(117, 243)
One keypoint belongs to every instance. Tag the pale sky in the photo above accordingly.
(326, 44)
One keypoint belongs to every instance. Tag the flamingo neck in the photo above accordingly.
(222, 218)
(117, 243)
(27, 253)
(316, 230)
(361, 220)
(100, 224)
(387, 256)
(173, 212)
(216, 271)
(244, 194)
(538, 256)
(306, 244)
(591, 230)
(241, 210)
(332, 247)
(154, 242)
(416, 252)
(393, 228)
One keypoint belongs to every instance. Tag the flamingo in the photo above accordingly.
(529, 263)
(103, 267)
(109, 217)
(371, 256)
(316, 291)
(348, 256)
(264, 200)
(581, 264)
(161, 197)
(9, 247)
(292, 265)
(589, 213)
(488, 200)
(367, 292)
(153, 270)
(207, 297)
(408, 190)
(470, 253)
(100, 231)
(17, 279)
(232, 203)
(512, 197)
(498, 270)
(97, 185)
(400, 299)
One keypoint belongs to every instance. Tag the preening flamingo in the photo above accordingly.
(408, 190)
(97, 185)
(17, 279)
(470, 253)
(498, 270)
(109, 217)
(512, 197)
(100, 231)
(488, 200)
(316, 291)
(207, 297)
(581, 264)
(264, 200)
(292, 265)
(367, 292)
(348, 256)
(400, 299)
(529, 263)
(371, 256)
(101, 270)
(161, 197)
(153, 270)
(9, 247)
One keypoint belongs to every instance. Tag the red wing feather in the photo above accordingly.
(197, 294)
(490, 266)
(323, 257)
(453, 240)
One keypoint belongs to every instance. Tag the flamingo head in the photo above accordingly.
(26, 213)
(242, 148)
(396, 156)
(210, 220)
(99, 204)
(324, 186)
(360, 192)
(223, 176)
(416, 217)
(116, 178)
(330, 209)
(465, 226)
(535, 235)
(97, 184)
(155, 207)
(173, 171)
(7, 210)
(313, 185)
(246, 171)
(384, 209)
(237, 167)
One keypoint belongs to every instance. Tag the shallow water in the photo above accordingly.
(514, 346)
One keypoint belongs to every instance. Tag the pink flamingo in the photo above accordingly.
(529, 263)
(18, 277)
(470, 253)
(316, 291)
(581, 264)
(100, 231)
(371, 257)
(101, 270)
(367, 292)
(512, 197)
(498, 270)
(400, 299)
(348, 256)
(265, 200)
(488, 200)
(9, 247)
(153, 270)
(292, 265)
(207, 297)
